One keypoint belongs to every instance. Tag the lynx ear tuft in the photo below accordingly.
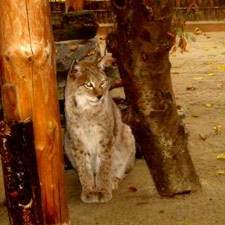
(75, 70)
(106, 61)
(101, 65)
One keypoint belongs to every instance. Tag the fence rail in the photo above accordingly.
(202, 13)
(215, 9)
(200, 3)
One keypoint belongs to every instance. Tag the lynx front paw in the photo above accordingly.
(96, 197)
(115, 183)
(104, 197)
(89, 197)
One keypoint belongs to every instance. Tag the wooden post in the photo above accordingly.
(27, 59)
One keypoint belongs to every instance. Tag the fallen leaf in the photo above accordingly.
(208, 105)
(191, 88)
(203, 136)
(221, 156)
(132, 189)
(211, 74)
(179, 107)
(217, 129)
(197, 31)
(197, 78)
(221, 67)
(195, 116)
(221, 172)
(161, 211)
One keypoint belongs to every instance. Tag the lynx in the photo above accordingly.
(99, 145)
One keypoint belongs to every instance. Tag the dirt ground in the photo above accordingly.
(199, 84)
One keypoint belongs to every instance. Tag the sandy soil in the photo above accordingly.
(199, 82)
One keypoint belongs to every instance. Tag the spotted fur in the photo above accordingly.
(99, 145)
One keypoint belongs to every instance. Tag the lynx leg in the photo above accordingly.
(123, 156)
(81, 161)
(104, 179)
(129, 148)
(88, 194)
(118, 168)
(68, 148)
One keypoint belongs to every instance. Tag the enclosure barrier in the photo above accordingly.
(28, 83)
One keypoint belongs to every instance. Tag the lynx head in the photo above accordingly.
(91, 85)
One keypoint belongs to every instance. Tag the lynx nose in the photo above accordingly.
(99, 97)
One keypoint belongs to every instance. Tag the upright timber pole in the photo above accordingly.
(28, 80)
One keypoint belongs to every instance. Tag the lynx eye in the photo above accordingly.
(103, 83)
(88, 85)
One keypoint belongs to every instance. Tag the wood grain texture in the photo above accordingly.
(29, 92)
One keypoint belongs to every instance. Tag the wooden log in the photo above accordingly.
(20, 174)
(29, 94)
(141, 45)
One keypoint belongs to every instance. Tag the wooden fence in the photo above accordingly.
(202, 10)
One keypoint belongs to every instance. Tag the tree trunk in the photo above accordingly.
(142, 45)
(29, 94)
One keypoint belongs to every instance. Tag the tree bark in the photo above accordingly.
(141, 45)
(29, 94)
